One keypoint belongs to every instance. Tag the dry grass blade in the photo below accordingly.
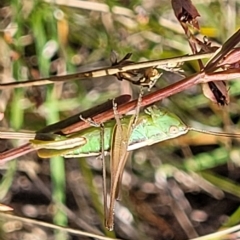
(229, 233)
(52, 226)
(222, 52)
(162, 63)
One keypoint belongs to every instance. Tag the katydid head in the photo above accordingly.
(169, 122)
(164, 125)
(172, 126)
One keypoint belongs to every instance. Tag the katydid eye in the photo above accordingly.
(173, 130)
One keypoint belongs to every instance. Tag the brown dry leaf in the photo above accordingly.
(231, 60)
(185, 12)
(217, 92)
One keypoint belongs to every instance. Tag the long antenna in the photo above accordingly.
(222, 134)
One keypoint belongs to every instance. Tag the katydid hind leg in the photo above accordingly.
(124, 142)
(119, 155)
(117, 162)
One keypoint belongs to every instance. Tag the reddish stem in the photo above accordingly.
(146, 101)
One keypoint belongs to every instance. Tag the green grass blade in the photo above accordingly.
(57, 172)
(223, 183)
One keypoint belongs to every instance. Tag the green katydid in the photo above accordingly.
(152, 126)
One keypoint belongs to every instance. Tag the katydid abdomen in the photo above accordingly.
(153, 125)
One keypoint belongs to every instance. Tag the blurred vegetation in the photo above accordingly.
(179, 189)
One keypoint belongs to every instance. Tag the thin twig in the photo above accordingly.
(52, 226)
(105, 71)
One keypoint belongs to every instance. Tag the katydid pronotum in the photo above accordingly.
(152, 126)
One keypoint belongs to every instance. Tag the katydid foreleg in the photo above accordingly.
(104, 174)
(102, 157)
